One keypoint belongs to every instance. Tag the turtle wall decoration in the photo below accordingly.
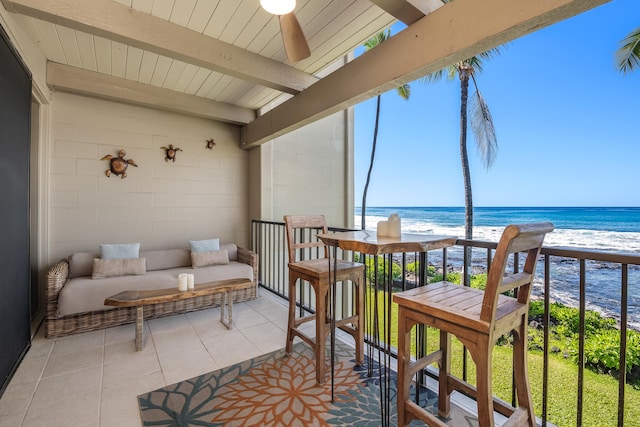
(170, 152)
(118, 165)
(210, 144)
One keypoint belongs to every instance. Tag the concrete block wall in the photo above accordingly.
(310, 173)
(160, 204)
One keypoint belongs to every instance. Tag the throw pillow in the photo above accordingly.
(204, 245)
(203, 259)
(120, 251)
(103, 268)
(81, 263)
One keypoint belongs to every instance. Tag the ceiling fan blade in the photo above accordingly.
(295, 44)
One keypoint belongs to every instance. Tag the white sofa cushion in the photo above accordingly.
(82, 294)
(81, 263)
(167, 258)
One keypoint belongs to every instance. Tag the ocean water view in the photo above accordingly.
(609, 229)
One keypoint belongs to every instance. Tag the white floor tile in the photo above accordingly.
(71, 344)
(247, 318)
(230, 348)
(192, 369)
(135, 367)
(126, 350)
(168, 324)
(40, 346)
(78, 360)
(119, 404)
(69, 385)
(182, 354)
(16, 398)
(123, 333)
(265, 337)
(204, 316)
(174, 337)
(80, 410)
(30, 369)
(94, 378)
(11, 420)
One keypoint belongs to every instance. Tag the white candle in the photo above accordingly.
(190, 281)
(382, 228)
(394, 225)
(182, 281)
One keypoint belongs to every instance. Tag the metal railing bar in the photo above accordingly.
(594, 255)
(516, 270)
(581, 330)
(622, 380)
(545, 332)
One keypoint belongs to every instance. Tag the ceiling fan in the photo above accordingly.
(295, 43)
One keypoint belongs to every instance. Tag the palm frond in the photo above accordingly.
(483, 129)
(477, 62)
(433, 77)
(628, 56)
(377, 39)
(404, 91)
(451, 71)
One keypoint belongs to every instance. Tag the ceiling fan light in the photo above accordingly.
(278, 7)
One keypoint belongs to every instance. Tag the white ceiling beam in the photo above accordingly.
(118, 22)
(454, 32)
(402, 10)
(77, 80)
(427, 6)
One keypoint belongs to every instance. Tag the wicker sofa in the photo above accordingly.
(75, 302)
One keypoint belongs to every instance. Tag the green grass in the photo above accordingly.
(600, 396)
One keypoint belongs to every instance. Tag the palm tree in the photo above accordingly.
(628, 56)
(481, 123)
(404, 91)
(482, 127)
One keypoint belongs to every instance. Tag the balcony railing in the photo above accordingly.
(268, 240)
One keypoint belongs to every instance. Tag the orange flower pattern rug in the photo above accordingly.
(276, 390)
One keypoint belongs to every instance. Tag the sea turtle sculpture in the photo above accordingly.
(210, 144)
(118, 165)
(170, 152)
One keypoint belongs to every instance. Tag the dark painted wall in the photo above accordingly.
(15, 104)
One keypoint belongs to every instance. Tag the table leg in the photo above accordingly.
(139, 328)
(227, 301)
(332, 311)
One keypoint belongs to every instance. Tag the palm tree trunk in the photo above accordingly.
(373, 155)
(464, 159)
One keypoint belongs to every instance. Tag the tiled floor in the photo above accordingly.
(93, 379)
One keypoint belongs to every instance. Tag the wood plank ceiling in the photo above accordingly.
(333, 29)
(224, 59)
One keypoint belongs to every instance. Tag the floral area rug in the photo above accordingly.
(276, 390)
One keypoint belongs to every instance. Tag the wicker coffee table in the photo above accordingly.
(139, 299)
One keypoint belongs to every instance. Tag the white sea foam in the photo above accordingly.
(612, 241)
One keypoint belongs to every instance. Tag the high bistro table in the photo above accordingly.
(379, 329)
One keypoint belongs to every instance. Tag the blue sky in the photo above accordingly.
(566, 120)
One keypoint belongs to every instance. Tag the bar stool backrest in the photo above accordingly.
(301, 231)
(515, 238)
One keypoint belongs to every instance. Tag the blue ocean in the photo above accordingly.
(609, 229)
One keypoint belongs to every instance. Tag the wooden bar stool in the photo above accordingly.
(316, 272)
(478, 319)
